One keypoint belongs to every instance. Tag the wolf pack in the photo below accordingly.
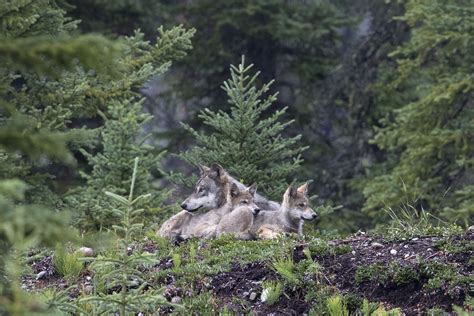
(222, 205)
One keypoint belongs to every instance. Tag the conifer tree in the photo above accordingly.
(122, 269)
(35, 48)
(121, 142)
(121, 138)
(429, 138)
(247, 142)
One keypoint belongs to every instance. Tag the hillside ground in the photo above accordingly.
(296, 276)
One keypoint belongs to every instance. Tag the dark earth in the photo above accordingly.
(339, 272)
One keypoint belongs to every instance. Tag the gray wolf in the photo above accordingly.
(294, 211)
(211, 193)
(240, 220)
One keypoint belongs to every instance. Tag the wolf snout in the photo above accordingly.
(309, 217)
(256, 211)
(184, 206)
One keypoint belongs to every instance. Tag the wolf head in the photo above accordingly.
(244, 197)
(296, 203)
(210, 191)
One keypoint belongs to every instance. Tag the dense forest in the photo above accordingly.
(115, 115)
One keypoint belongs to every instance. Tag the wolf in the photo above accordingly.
(262, 202)
(240, 220)
(211, 193)
(293, 212)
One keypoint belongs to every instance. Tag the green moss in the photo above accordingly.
(202, 304)
(443, 275)
(453, 246)
(382, 274)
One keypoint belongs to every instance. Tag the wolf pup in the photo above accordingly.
(294, 211)
(211, 192)
(262, 202)
(240, 220)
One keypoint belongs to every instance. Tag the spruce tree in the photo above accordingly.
(120, 268)
(36, 48)
(122, 138)
(429, 137)
(294, 42)
(246, 140)
(122, 141)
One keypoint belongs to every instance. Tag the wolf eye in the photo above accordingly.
(301, 205)
(245, 202)
(200, 190)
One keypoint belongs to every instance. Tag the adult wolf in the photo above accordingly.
(240, 220)
(293, 212)
(211, 193)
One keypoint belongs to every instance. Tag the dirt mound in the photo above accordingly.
(396, 274)
(415, 275)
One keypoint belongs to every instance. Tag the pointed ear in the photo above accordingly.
(234, 190)
(203, 169)
(252, 189)
(217, 172)
(291, 192)
(304, 188)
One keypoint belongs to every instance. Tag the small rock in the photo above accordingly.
(41, 275)
(353, 259)
(88, 278)
(86, 251)
(353, 252)
(264, 295)
(415, 239)
(253, 296)
(377, 245)
(406, 246)
(393, 252)
(245, 294)
(407, 255)
(429, 249)
(176, 300)
(88, 289)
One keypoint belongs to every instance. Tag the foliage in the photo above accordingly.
(34, 113)
(429, 138)
(122, 137)
(245, 141)
(286, 268)
(395, 273)
(271, 292)
(444, 276)
(200, 304)
(294, 42)
(407, 222)
(337, 306)
(121, 272)
(67, 264)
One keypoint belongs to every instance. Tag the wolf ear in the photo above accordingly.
(234, 190)
(304, 188)
(291, 192)
(217, 172)
(204, 169)
(252, 189)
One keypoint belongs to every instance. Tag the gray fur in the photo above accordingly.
(293, 211)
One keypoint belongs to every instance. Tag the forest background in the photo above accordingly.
(372, 100)
(380, 95)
